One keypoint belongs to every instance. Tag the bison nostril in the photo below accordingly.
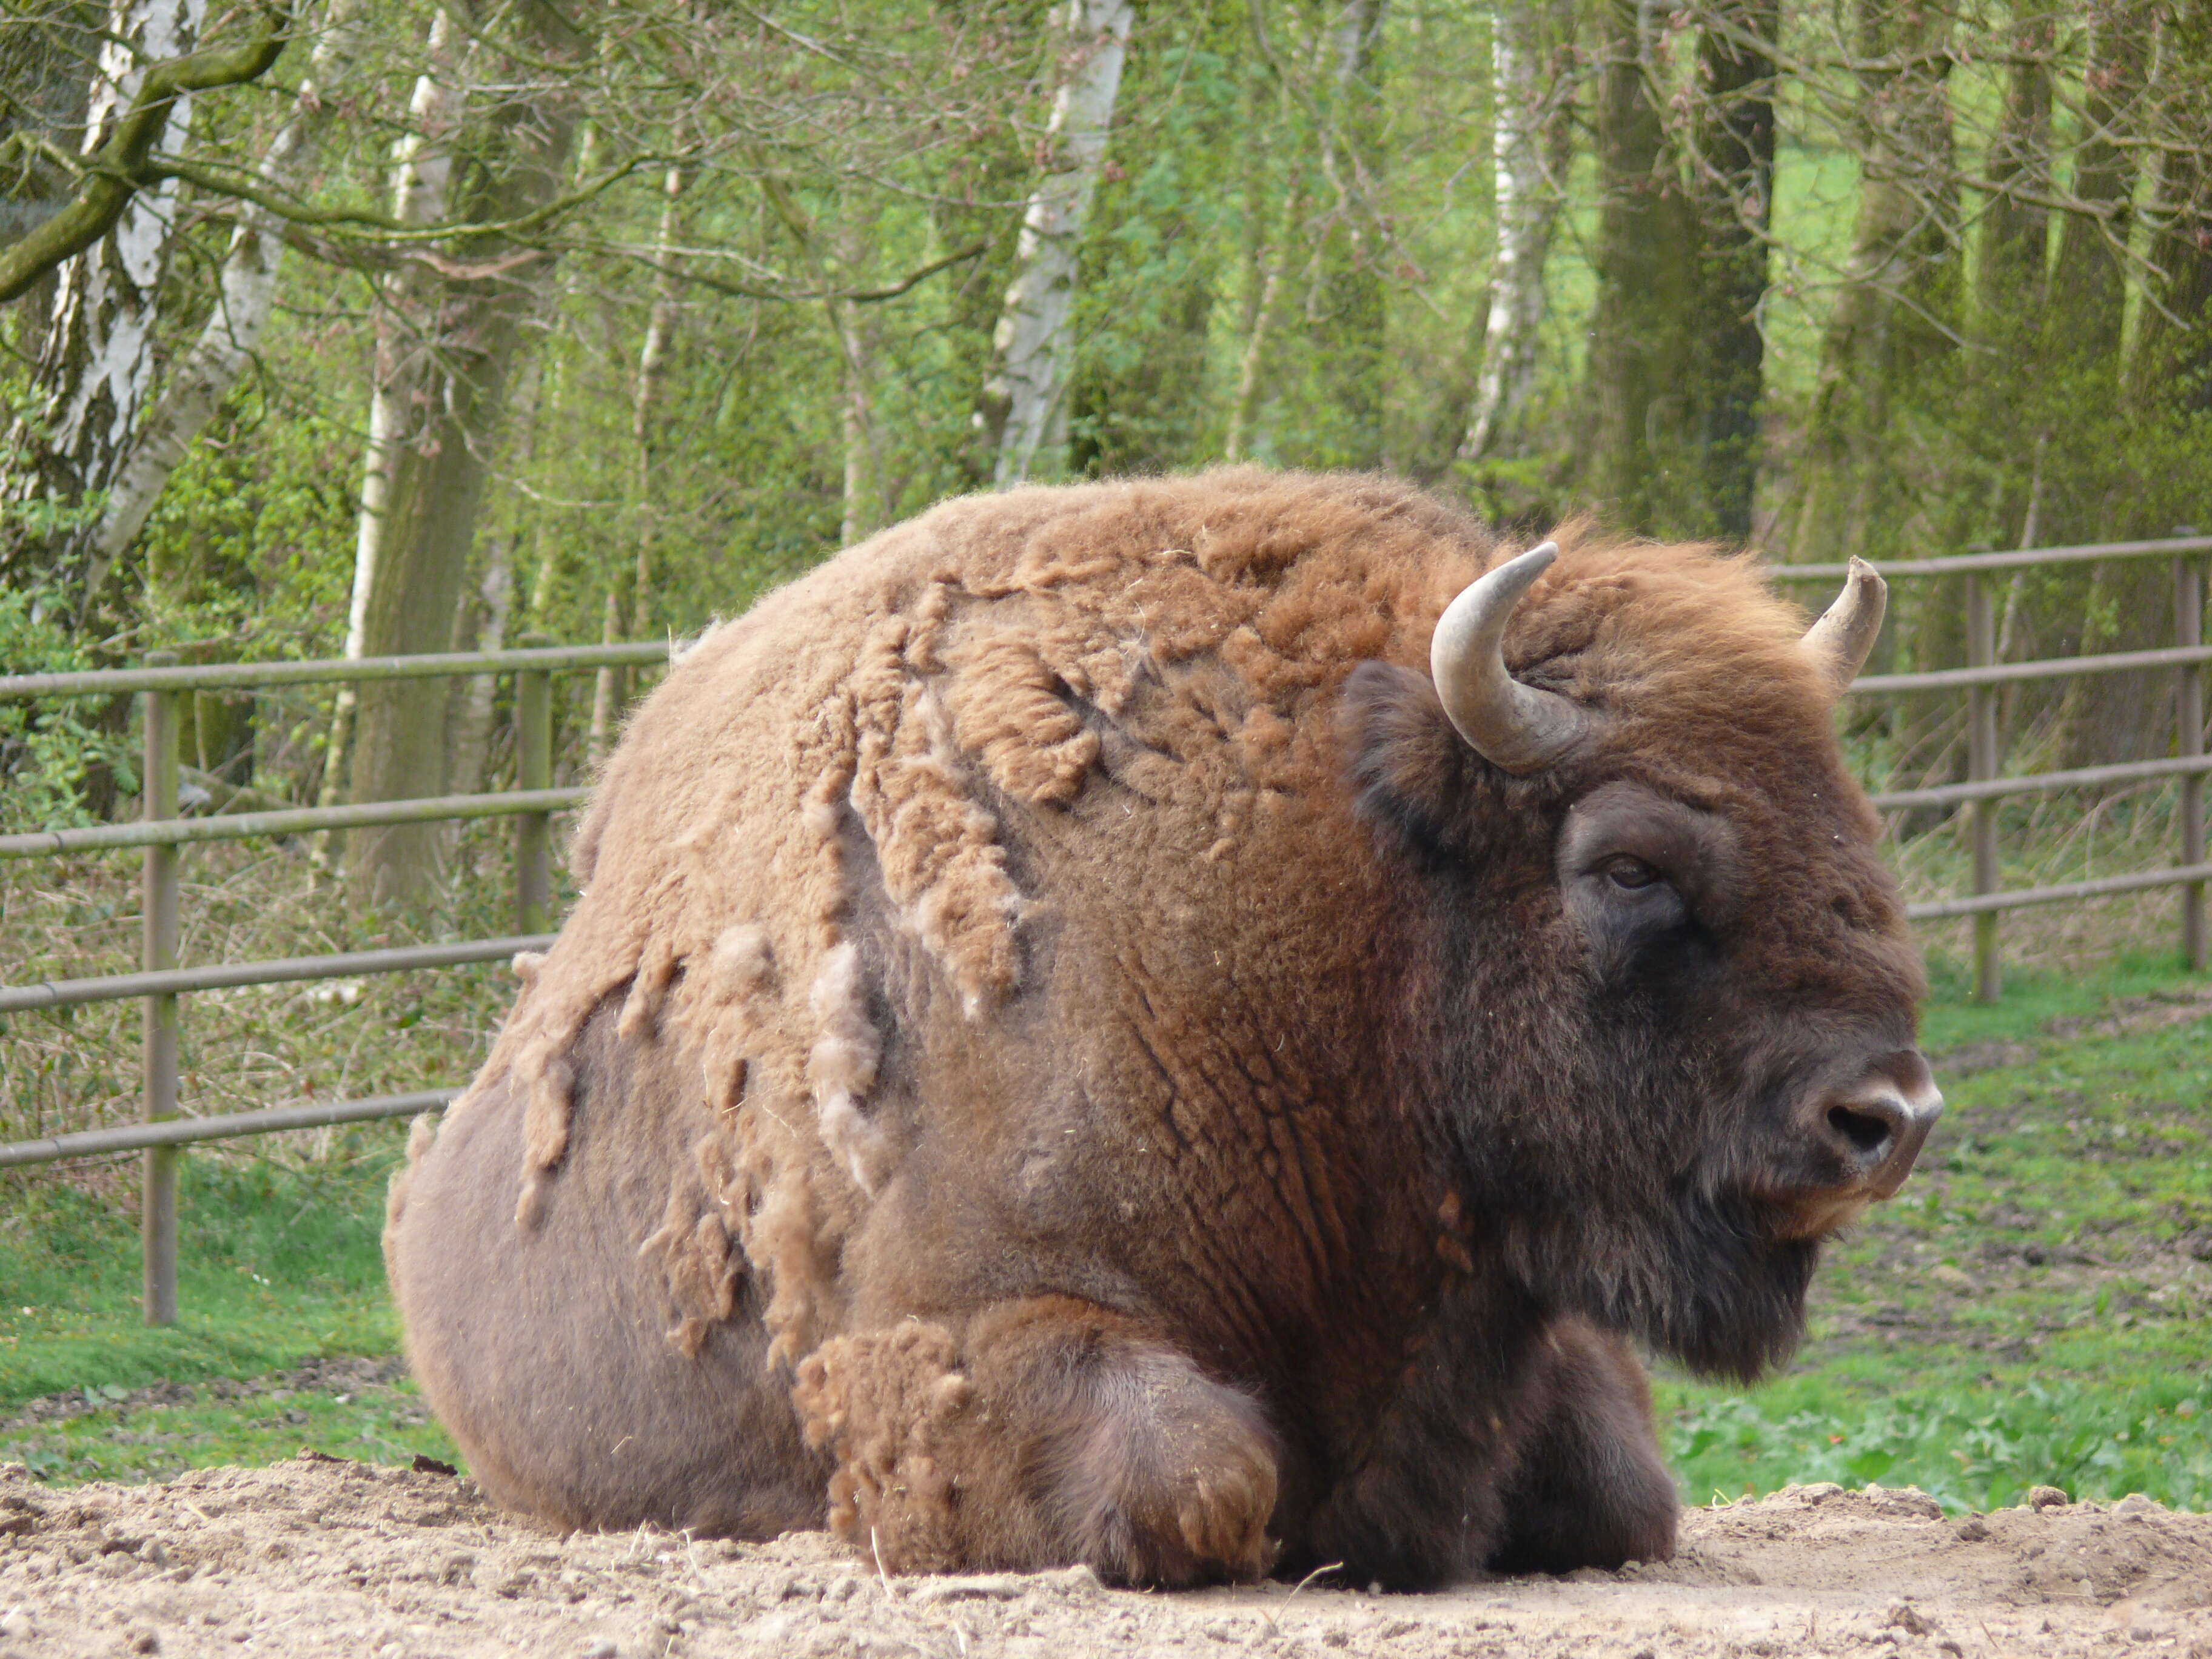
(1864, 1132)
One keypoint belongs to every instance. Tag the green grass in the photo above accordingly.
(274, 1266)
(277, 1267)
(383, 1424)
(2030, 1311)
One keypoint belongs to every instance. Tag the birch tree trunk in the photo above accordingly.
(1034, 344)
(246, 289)
(423, 166)
(611, 684)
(408, 591)
(471, 739)
(97, 363)
(645, 401)
(865, 509)
(1251, 360)
(1531, 113)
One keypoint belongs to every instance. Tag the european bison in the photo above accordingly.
(1129, 1024)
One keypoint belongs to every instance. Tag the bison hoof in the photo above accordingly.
(1173, 1487)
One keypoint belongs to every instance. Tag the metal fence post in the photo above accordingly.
(533, 767)
(1982, 766)
(158, 898)
(2189, 733)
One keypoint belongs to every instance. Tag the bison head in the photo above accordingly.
(1668, 989)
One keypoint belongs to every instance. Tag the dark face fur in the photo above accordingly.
(1668, 1019)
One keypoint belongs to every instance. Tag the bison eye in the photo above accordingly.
(1630, 874)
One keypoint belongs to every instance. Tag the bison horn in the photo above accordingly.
(1512, 725)
(1838, 642)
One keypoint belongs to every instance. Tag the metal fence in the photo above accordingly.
(161, 831)
(1983, 789)
(531, 804)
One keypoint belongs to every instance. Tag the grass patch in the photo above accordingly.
(281, 1278)
(276, 1266)
(204, 1424)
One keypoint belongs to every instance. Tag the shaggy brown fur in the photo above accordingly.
(1146, 1090)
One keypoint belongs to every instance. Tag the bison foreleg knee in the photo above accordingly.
(1048, 1432)
(1591, 1489)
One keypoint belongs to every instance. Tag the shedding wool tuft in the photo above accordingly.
(545, 1124)
(842, 1067)
(640, 1010)
(742, 959)
(530, 1206)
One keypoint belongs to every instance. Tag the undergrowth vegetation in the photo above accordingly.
(250, 1046)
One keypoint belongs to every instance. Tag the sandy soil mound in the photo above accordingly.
(318, 1556)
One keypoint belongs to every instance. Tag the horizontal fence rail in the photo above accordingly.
(335, 670)
(2021, 898)
(292, 821)
(162, 831)
(1961, 565)
(2041, 783)
(181, 1131)
(2009, 673)
(227, 975)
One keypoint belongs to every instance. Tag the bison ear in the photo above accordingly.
(1408, 768)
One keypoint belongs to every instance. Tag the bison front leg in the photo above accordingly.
(1591, 1489)
(1040, 1433)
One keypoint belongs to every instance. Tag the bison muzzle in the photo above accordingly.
(1188, 1025)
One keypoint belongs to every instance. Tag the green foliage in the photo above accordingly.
(279, 1267)
(51, 750)
(1971, 1446)
(249, 550)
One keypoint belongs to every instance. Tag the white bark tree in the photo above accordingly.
(97, 364)
(1034, 342)
(245, 292)
(441, 399)
(611, 683)
(422, 167)
(1531, 105)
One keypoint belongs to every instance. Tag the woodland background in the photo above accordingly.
(363, 326)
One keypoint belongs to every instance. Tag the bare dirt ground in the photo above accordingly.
(318, 1557)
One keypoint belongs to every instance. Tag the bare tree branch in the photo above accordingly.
(749, 291)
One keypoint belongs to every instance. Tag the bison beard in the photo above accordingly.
(1099, 1028)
